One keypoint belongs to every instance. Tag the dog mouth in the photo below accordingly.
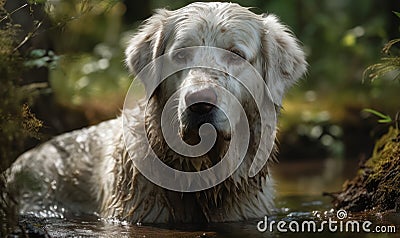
(191, 121)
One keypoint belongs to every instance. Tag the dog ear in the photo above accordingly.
(148, 43)
(284, 60)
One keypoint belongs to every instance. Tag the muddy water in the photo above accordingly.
(299, 187)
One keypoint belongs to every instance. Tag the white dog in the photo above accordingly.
(92, 171)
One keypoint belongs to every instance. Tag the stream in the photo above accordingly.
(299, 186)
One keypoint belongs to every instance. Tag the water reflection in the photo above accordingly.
(299, 185)
(312, 177)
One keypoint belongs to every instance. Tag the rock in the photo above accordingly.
(377, 183)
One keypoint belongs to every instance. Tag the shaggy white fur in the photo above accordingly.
(90, 171)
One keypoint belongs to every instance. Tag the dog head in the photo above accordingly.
(212, 46)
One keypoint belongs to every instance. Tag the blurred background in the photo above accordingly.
(73, 50)
(61, 68)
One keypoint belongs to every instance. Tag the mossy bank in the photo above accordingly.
(377, 183)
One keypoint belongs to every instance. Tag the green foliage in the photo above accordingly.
(90, 73)
(387, 64)
(14, 112)
(82, 78)
(42, 58)
(17, 123)
(85, 22)
(383, 118)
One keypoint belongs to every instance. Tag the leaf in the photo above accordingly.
(383, 118)
(389, 45)
(397, 14)
(42, 58)
(37, 53)
(388, 120)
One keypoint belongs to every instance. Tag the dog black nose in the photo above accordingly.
(201, 101)
(201, 108)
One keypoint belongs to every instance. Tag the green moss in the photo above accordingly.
(377, 183)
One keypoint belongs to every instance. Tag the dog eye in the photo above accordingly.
(180, 56)
(237, 55)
